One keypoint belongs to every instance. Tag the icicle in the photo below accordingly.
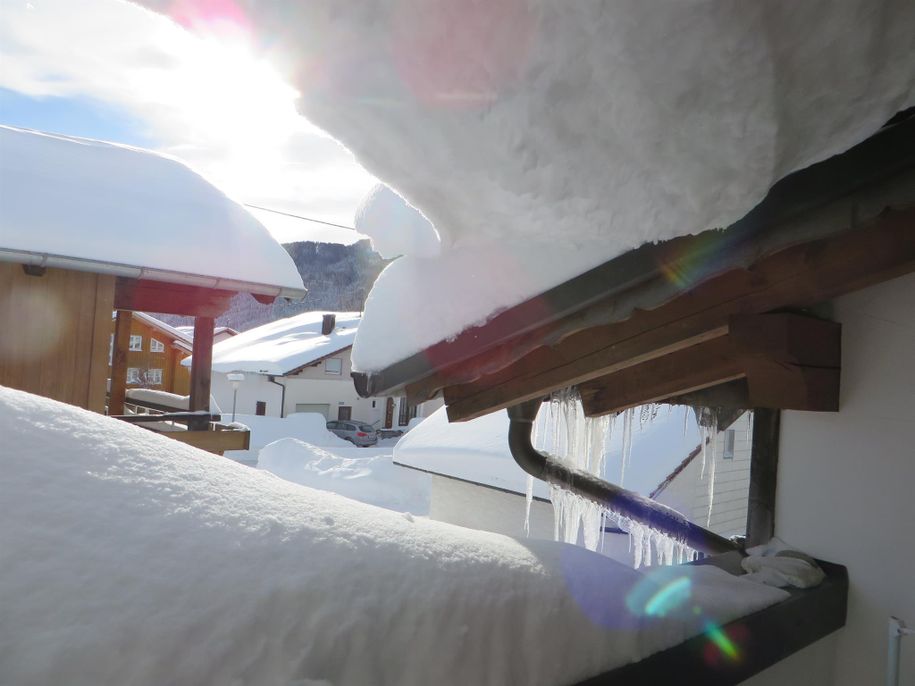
(528, 500)
(713, 439)
(627, 443)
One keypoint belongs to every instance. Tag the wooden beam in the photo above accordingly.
(201, 369)
(121, 345)
(169, 298)
(797, 277)
(789, 361)
(763, 476)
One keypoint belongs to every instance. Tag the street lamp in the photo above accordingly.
(235, 378)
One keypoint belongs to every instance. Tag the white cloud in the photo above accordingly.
(217, 104)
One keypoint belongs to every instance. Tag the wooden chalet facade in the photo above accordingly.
(154, 355)
(800, 311)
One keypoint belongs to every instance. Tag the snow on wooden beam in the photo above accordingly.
(789, 361)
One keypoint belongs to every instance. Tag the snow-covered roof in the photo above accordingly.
(129, 557)
(95, 206)
(477, 451)
(577, 130)
(284, 345)
(175, 334)
(188, 331)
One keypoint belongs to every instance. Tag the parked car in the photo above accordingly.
(357, 433)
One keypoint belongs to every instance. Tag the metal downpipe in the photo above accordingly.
(611, 496)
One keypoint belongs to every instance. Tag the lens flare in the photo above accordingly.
(722, 641)
(669, 597)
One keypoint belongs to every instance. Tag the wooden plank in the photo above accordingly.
(169, 298)
(201, 366)
(212, 441)
(683, 371)
(101, 330)
(763, 476)
(121, 346)
(773, 351)
(796, 277)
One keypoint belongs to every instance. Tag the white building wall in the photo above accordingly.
(688, 492)
(846, 488)
(312, 386)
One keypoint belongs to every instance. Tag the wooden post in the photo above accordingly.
(763, 476)
(201, 369)
(119, 351)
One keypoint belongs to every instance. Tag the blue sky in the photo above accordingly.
(74, 116)
(111, 70)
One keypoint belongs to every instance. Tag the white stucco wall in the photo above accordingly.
(313, 386)
(846, 489)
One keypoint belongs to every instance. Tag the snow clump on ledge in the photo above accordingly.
(132, 558)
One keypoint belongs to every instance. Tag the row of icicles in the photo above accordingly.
(563, 431)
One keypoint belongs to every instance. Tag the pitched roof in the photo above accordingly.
(285, 345)
(95, 206)
(174, 334)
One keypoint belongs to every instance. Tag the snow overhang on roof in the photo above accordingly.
(825, 200)
(92, 206)
(284, 346)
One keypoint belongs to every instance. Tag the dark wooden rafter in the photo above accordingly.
(796, 277)
(763, 476)
(788, 360)
(119, 349)
(168, 298)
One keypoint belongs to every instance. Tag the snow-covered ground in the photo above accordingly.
(132, 558)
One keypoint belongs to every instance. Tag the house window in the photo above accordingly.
(154, 377)
(407, 412)
(333, 365)
(156, 346)
(728, 452)
(133, 375)
(344, 412)
(136, 343)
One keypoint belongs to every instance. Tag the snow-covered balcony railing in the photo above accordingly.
(200, 429)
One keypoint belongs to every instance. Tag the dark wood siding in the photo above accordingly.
(54, 333)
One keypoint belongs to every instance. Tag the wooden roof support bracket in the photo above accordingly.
(783, 361)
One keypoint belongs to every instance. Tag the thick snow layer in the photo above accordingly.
(578, 129)
(308, 427)
(289, 229)
(173, 400)
(284, 345)
(375, 480)
(132, 558)
(81, 198)
(395, 227)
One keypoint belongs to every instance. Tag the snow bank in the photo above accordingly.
(374, 480)
(581, 129)
(76, 197)
(394, 226)
(173, 400)
(308, 427)
(131, 558)
(284, 345)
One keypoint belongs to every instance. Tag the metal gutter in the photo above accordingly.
(625, 502)
(150, 273)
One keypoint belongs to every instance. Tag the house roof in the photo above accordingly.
(189, 331)
(176, 337)
(286, 345)
(94, 206)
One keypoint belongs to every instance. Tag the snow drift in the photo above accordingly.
(131, 558)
